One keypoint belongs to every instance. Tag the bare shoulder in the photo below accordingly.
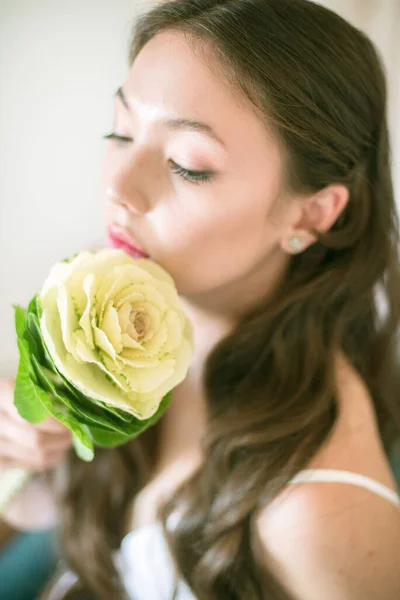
(332, 540)
(336, 543)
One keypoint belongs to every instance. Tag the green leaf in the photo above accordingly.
(85, 453)
(89, 416)
(109, 439)
(82, 439)
(35, 306)
(108, 414)
(20, 328)
(32, 306)
(41, 390)
(105, 409)
(80, 430)
(27, 395)
(29, 399)
(95, 407)
(85, 414)
(140, 426)
(82, 433)
(24, 352)
(112, 440)
(20, 315)
(33, 336)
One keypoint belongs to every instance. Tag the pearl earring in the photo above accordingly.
(296, 244)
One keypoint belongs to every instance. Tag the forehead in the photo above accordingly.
(171, 76)
(172, 71)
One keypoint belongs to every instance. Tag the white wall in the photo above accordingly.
(380, 19)
(60, 63)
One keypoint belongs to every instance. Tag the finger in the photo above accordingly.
(10, 463)
(7, 405)
(9, 451)
(33, 461)
(51, 425)
(18, 433)
(29, 437)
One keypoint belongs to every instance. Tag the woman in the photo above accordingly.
(249, 157)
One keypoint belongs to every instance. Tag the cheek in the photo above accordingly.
(213, 249)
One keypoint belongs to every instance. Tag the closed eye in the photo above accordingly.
(192, 176)
(186, 174)
(119, 138)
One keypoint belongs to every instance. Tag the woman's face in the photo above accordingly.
(218, 235)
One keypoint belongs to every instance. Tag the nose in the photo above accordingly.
(122, 208)
(125, 191)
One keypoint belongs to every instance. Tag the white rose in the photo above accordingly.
(115, 328)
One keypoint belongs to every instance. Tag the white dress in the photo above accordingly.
(145, 563)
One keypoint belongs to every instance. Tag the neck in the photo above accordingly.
(184, 422)
(213, 316)
(224, 305)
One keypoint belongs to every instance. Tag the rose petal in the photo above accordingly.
(175, 331)
(155, 270)
(149, 402)
(168, 292)
(88, 378)
(146, 380)
(88, 355)
(135, 272)
(50, 326)
(102, 341)
(150, 294)
(132, 333)
(111, 327)
(89, 284)
(152, 347)
(57, 275)
(123, 316)
(157, 343)
(155, 317)
(153, 367)
(139, 363)
(69, 320)
(99, 263)
(129, 342)
(123, 277)
(107, 290)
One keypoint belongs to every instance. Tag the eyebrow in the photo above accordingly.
(178, 124)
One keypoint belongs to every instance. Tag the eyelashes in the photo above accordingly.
(193, 176)
(196, 177)
(119, 138)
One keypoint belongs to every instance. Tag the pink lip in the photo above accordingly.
(117, 238)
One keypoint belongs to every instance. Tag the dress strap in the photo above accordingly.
(341, 476)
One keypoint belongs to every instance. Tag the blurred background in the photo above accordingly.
(60, 64)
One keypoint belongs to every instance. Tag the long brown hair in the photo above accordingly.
(270, 385)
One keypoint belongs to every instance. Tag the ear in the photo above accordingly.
(318, 212)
